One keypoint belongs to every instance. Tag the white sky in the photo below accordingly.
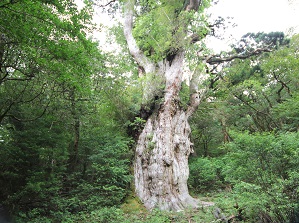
(257, 16)
(249, 15)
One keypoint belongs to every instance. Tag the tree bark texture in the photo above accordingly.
(161, 162)
(161, 157)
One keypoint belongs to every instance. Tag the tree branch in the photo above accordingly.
(32, 119)
(216, 59)
(258, 112)
(283, 85)
(108, 3)
(3, 115)
(2, 78)
(140, 58)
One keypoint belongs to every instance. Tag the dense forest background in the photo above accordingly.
(70, 113)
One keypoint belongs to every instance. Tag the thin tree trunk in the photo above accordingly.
(74, 146)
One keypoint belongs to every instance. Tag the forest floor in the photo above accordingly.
(222, 210)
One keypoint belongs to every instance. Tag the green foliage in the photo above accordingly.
(34, 67)
(65, 154)
(184, 95)
(205, 174)
(208, 125)
(255, 91)
(62, 143)
(161, 28)
(37, 172)
(35, 161)
(251, 41)
(264, 166)
(137, 124)
(62, 116)
(254, 109)
(111, 163)
(112, 215)
(158, 36)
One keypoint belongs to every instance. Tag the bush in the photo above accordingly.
(205, 174)
(111, 215)
(263, 169)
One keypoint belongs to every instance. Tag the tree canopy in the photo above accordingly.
(81, 129)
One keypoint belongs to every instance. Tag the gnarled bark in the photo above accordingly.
(163, 147)
(161, 164)
(161, 161)
(137, 54)
(161, 158)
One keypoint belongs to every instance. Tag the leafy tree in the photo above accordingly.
(53, 83)
(37, 37)
(57, 168)
(205, 174)
(256, 89)
(252, 41)
(264, 166)
(161, 37)
(258, 99)
(208, 130)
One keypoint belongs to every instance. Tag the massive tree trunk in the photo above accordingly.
(161, 158)
(161, 162)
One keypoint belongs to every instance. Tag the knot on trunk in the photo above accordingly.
(194, 103)
(167, 160)
(194, 100)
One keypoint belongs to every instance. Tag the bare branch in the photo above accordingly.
(32, 119)
(195, 100)
(2, 78)
(216, 59)
(138, 55)
(259, 112)
(4, 113)
(108, 3)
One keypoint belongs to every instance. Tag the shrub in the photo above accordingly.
(263, 169)
(205, 174)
